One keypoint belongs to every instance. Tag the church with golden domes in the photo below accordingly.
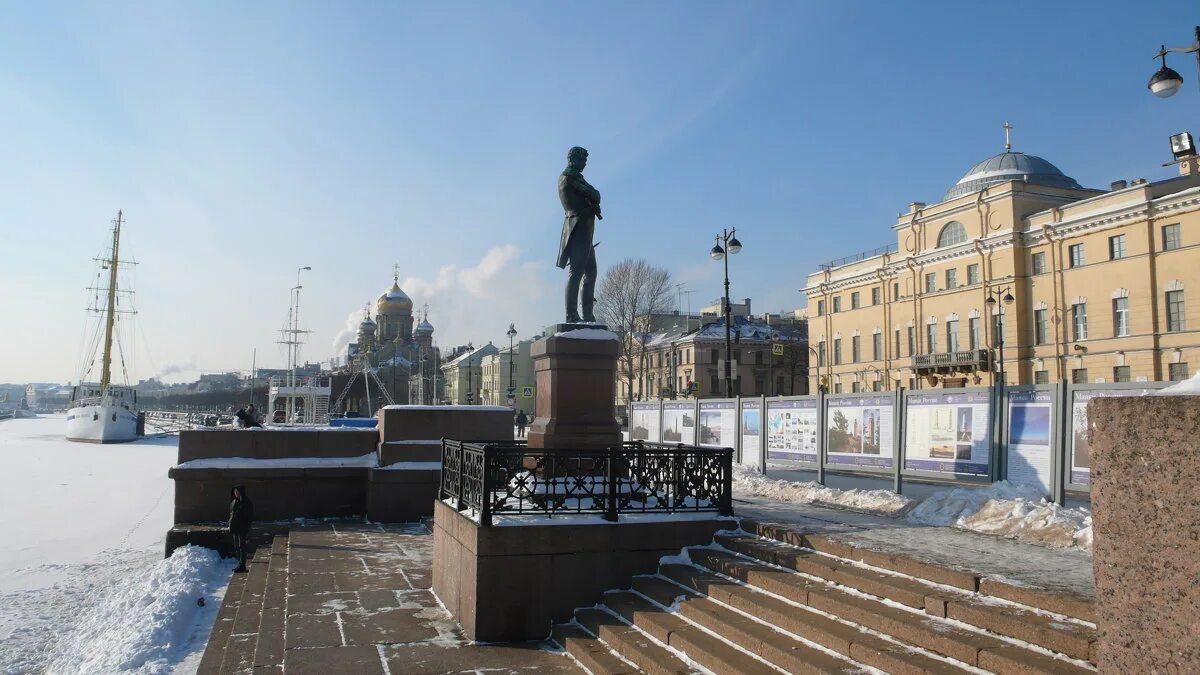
(402, 357)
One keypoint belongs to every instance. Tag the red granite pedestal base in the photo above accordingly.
(576, 392)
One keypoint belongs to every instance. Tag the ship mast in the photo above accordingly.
(111, 313)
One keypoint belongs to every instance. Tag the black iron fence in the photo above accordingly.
(509, 478)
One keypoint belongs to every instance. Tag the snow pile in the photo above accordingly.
(1188, 387)
(148, 623)
(749, 481)
(1008, 510)
(368, 460)
(587, 334)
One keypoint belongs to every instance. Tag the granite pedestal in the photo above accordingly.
(575, 368)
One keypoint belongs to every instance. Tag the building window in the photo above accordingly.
(973, 338)
(1079, 321)
(912, 341)
(1120, 317)
(953, 233)
(972, 274)
(821, 353)
(896, 347)
(931, 338)
(951, 278)
(1075, 252)
(1040, 328)
(1079, 376)
(760, 385)
(837, 304)
(1116, 247)
(714, 383)
(837, 351)
(820, 308)
(854, 300)
(715, 356)
(1178, 371)
(1041, 377)
(874, 296)
(876, 346)
(1039, 263)
(1175, 313)
(856, 349)
(779, 385)
(931, 282)
(1121, 374)
(854, 387)
(1171, 237)
(837, 387)
(896, 290)
(951, 336)
(875, 385)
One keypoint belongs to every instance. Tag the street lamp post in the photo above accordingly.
(993, 299)
(1166, 81)
(512, 365)
(820, 385)
(718, 252)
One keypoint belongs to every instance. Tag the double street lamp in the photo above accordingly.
(993, 301)
(1166, 81)
(718, 252)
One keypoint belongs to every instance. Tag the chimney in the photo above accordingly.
(1118, 185)
(748, 307)
(915, 206)
(1138, 181)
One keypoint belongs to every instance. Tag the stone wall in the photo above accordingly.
(1146, 522)
(275, 444)
(512, 583)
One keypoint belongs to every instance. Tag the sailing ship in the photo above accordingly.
(103, 412)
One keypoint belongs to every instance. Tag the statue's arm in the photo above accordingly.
(592, 194)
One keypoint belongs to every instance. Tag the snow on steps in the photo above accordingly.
(774, 598)
(248, 634)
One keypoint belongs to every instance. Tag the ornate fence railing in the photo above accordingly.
(508, 478)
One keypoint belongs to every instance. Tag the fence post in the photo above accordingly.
(458, 497)
(485, 489)
(1061, 422)
(821, 436)
(442, 476)
(762, 434)
(610, 479)
(727, 487)
(898, 411)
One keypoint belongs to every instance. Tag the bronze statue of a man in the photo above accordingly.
(581, 202)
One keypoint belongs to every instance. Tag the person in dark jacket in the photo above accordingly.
(241, 514)
(522, 420)
(247, 417)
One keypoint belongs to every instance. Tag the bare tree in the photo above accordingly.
(630, 293)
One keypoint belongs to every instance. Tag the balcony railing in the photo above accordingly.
(508, 478)
(969, 359)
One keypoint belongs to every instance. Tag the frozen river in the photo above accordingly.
(83, 585)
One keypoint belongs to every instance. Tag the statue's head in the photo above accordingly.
(577, 157)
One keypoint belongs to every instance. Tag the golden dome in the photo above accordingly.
(394, 301)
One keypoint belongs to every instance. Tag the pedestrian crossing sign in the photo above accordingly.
(526, 392)
(777, 349)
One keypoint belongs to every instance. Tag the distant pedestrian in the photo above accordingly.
(253, 413)
(246, 418)
(241, 514)
(522, 420)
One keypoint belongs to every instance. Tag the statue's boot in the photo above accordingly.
(573, 299)
(589, 298)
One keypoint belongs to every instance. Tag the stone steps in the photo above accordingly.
(243, 640)
(268, 651)
(218, 639)
(775, 598)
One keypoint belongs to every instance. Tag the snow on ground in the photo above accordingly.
(84, 526)
(1003, 509)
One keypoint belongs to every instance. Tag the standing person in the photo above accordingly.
(241, 514)
(252, 416)
(522, 420)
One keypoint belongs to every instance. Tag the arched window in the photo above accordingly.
(952, 233)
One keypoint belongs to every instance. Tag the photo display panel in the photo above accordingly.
(1030, 447)
(718, 423)
(792, 430)
(948, 432)
(751, 430)
(643, 424)
(858, 431)
(679, 422)
(1081, 447)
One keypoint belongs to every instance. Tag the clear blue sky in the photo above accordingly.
(246, 139)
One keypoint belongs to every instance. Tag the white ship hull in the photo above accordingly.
(101, 423)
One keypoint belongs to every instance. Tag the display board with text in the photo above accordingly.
(643, 423)
(858, 431)
(1030, 449)
(1080, 446)
(792, 430)
(948, 432)
(718, 423)
(679, 422)
(751, 431)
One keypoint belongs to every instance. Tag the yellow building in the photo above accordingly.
(1086, 285)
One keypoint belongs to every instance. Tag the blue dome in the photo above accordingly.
(1011, 166)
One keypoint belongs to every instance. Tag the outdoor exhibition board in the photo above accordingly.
(751, 430)
(792, 430)
(948, 432)
(718, 423)
(1081, 464)
(858, 431)
(679, 422)
(1030, 445)
(644, 423)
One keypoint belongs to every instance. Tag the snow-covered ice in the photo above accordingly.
(83, 585)
(751, 482)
